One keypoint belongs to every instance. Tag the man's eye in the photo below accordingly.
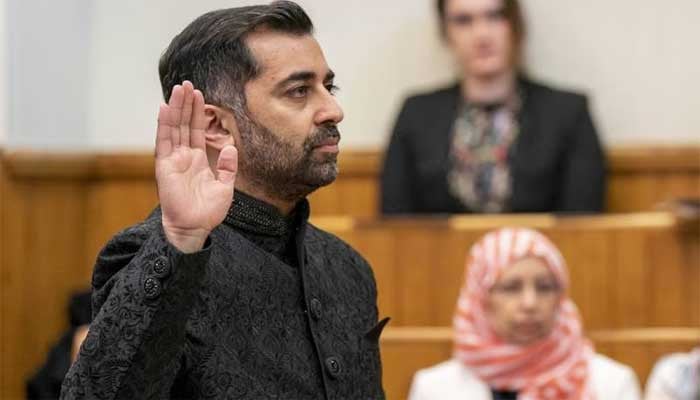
(299, 92)
(332, 89)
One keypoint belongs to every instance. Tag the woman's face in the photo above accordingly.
(480, 36)
(522, 306)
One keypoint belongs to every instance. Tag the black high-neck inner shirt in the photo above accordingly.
(264, 225)
(503, 395)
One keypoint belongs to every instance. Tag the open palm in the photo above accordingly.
(194, 199)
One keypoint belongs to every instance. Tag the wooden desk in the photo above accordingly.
(405, 350)
(627, 271)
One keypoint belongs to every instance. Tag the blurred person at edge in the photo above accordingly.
(675, 377)
(45, 382)
(518, 334)
(495, 141)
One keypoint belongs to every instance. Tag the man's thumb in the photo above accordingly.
(227, 164)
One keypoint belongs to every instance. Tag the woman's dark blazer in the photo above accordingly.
(556, 161)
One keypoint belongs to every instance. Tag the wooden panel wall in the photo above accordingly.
(627, 271)
(5, 335)
(43, 260)
(641, 178)
(407, 350)
(58, 210)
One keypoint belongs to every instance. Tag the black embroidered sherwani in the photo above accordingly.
(271, 308)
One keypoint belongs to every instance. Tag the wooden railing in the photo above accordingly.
(406, 350)
(627, 270)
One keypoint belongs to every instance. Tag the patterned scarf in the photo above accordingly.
(553, 368)
(480, 175)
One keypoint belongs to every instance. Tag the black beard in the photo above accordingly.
(282, 171)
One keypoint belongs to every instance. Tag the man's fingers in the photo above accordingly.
(163, 138)
(199, 122)
(177, 97)
(227, 165)
(186, 116)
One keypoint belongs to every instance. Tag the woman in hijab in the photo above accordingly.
(517, 332)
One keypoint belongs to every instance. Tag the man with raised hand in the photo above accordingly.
(230, 293)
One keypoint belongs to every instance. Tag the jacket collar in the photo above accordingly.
(255, 216)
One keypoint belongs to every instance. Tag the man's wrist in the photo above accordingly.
(186, 241)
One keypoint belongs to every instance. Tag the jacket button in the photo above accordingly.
(316, 308)
(333, 366)
(161, 267)
(151, 288)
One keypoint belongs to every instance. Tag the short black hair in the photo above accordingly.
(211, 51)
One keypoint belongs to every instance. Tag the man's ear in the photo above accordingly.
(221, 129)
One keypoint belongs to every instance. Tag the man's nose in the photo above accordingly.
(330, 111)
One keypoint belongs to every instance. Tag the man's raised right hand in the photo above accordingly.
(193, 198)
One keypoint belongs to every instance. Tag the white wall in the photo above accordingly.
(4, 92)
(48, 43)
(371, 45)
(637, 59)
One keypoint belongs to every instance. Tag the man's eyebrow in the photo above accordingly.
(303, 76)
(296, 77)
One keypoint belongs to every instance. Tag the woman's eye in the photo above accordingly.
(496, 15)
(461, 19)
(546, 287)
(509, 288)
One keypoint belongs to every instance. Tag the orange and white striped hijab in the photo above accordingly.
(553, 368)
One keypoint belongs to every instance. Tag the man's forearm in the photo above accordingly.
(135, 341)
